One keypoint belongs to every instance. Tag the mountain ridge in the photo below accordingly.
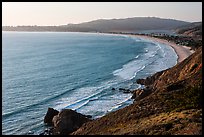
(108, 25)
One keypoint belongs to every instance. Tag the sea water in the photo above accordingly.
(72, 70)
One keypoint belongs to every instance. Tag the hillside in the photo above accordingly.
(132, 24)
(172, 105)
(108, 25)
(189, 35)
(192, 29)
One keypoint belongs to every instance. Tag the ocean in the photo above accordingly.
(72, 70)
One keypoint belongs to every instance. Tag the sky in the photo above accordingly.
(62, 13)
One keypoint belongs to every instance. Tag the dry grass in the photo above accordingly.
(162, 124)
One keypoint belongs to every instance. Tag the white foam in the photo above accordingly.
(137, 56)
(81, 105)
(118, 104)
(77, 102)
(129, 70)
(84, 95)
(137, 39)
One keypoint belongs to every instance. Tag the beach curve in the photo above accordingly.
(182, 51)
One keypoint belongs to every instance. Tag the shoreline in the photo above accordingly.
(182, 51)
(136, 117)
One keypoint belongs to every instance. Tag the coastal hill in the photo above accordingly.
(108, 25)
(192, 29)
(172, 105)
(131, 24)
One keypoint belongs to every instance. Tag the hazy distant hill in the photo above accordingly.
(109, 25)
(132, 24)
(192, 29)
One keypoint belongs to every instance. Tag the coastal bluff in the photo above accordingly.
(172, 108)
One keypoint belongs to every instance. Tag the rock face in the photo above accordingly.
(49, 115)
(68, 121)
(149, 80)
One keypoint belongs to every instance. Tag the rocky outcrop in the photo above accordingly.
(64, 122)
(149, 80)
(49, 116)
(68, 121)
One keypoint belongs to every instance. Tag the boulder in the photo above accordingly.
(68, 121)
(113, 88)
(49, 115)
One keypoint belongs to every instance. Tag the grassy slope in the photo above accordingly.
(174, 106)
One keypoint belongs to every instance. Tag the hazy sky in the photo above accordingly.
(52, 13)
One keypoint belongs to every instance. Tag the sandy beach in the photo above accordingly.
(182, 51)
